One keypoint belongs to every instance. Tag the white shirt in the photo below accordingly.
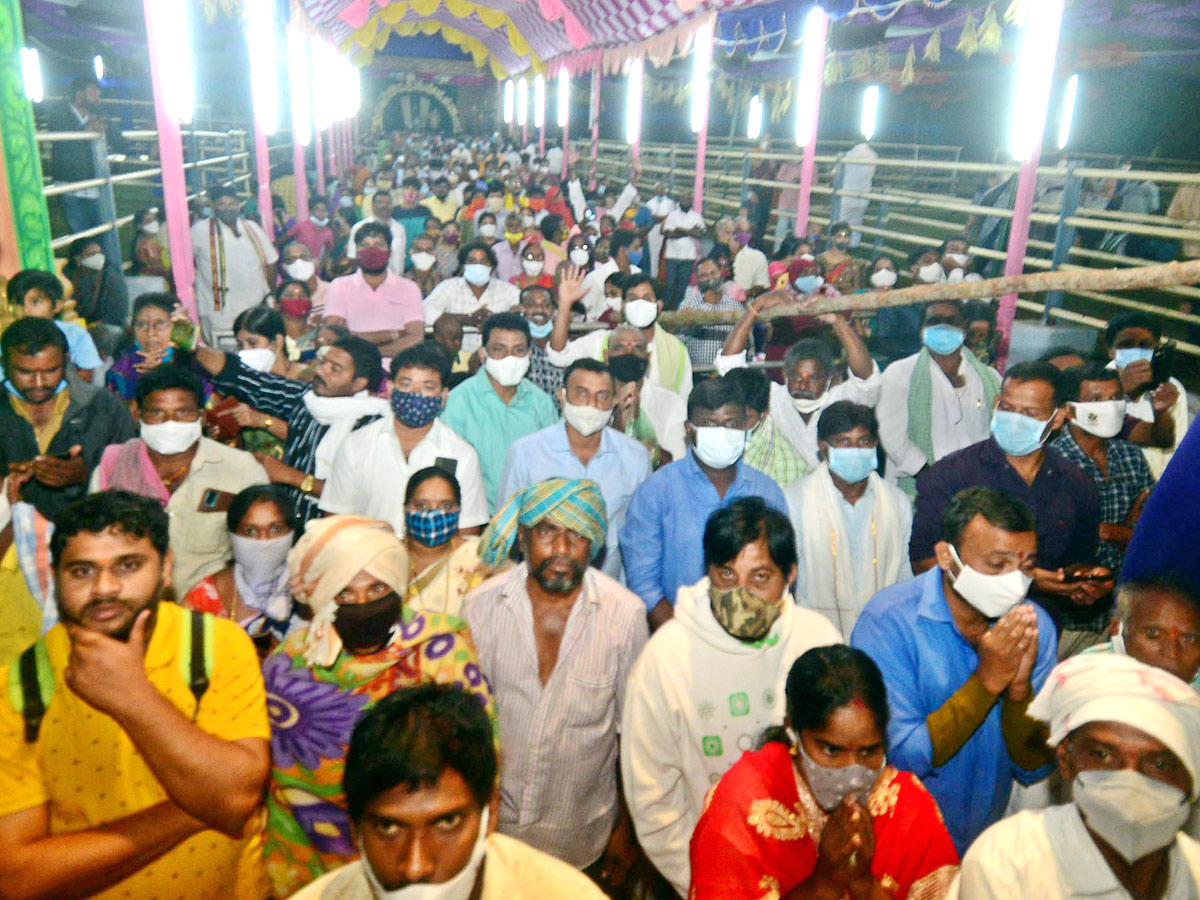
(454, 295)
(803, 435)
(661, 207)
(1143, 408)
(245, 282)
(750, 269)
(667, 412)
(961, 416)
(593, 346)
(370, 473)
(857, 177)
(684, 247)
(399, 242)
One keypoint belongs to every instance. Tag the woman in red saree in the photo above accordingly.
(816, 813)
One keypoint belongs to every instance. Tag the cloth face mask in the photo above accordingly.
(432, 527)
(422, 261)
(1103, 418)
(745, 616)
(365, 626)
(585, 419)
(883, 278)
(415, 410)
(992, 595)
(830, 785)
(301, 269)
(457, 888)
(508, 371)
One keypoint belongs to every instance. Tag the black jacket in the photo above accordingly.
(73, 160)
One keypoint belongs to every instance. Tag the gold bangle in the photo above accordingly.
(306, 486)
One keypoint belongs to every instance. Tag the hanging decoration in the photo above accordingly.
(1015, 14)
(860, 64)
(990, 36)
(833, 69)
(933, 49)
(908, 74)
(881, 62)
(968, 41)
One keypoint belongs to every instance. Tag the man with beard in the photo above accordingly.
(131, 765)
(561, 689)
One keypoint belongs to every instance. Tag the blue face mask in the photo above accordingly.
(415, 410)
(852, 464)
(15, 391)
(432, 527)
(942, 339)
(1017, 435)
(1127, 355)
(540, 331)
(635, 257)
(806, 284)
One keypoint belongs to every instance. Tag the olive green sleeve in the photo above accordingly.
(952, 724)
(1024, 737)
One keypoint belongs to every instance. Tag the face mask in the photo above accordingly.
(95, 262)
(320, 223)
(258, 359)
(942, 339)
(1103, 418)
(992, 595)
(1127, 355)
(206, 212)
(366, 626)
(579, 256)
(805, 406)
(450, 239)
(640, 313)
(806, 284)
(514, 237)
(742, 238)
(261, 560)
(432, 527)
(1018, 435)
(509, 371)
(487, 230)
(806, 256)
(373, 260)
(301, 269)
(423, 261)
(457, 888)
(959, 259)
(954, 276)
(170, 438)
(745, 616)
(533, 267)
(1133, 814)
(706, 286)
(295, 307)
(852, 464)
(541, 331)
(932, 273)
(883, 278)
(719, 447)
(495, 204)
(368, 192)
(587, 420)
(415, 410)
(830, 785)
(636, 256)
(228, 216)
(151, 227)
(477, 274)
(527, 221)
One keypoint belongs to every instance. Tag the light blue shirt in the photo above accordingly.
(662, 540)
(909, 632)
(619, 466)
(80, 345)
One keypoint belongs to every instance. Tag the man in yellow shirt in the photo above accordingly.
(130, 766)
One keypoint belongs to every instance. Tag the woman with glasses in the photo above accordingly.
(152, 323)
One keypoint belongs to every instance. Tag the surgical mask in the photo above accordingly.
(932, 273)
(527, 221)
(719, 447)
(883, 278)
(457, 888)
(432, 527)
(942, 339)
(321, 223)
(640, 313)
(587, 420)
(487, 230)
(533, 267)
(579, 256)
(170, 438)
(744, 615)
(345, 202)
(260, 559)
(1127, 355)
(959, 259)
(1132, 813)
(1103, 418)
(367, 626)
(258, 359)
(636, 257)
(992, 595)
(423, 261)
(852, 464)
(151, 227)
(830, 785)
(508, 371)
(206, 212)
(301, 269)
(415, 410)
(806, 284)
(373, 260)
(477, 274)
(1017, 434)
(95, 262)
(954, 276)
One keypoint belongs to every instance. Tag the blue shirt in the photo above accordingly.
(619, 466)
(80, 345)
(662, 538)
(908, 631)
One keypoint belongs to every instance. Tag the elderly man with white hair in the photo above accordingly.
(1128, 742)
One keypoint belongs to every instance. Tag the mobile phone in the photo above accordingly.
(1162, 364)
(210, 499)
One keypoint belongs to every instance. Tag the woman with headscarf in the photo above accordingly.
(361, 644)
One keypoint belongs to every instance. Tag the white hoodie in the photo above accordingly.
(697, 699)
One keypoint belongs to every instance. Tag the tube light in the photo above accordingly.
(1035, 74)
(812, 60)
(31, 74)
(754, 119)
(177, 71)
(701, 62)
(354, 76)
(522, 102)
(870, 111)
(260, 36)
(98, 66)
(509, 101)
(539, 102)
(564, 97)
(298, 87)
(633, 102)
(323, 82)
(1068, 111)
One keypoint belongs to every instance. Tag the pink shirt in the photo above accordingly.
(315, 237)
(395, 303)
(789, 198)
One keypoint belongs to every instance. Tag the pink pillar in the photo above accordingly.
(170, 152)
(298, 165)
(813, 75)
(354, 137)
(262, 162)
(525, 133)
(595, 116)
(319, 151)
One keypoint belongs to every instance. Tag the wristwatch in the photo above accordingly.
(306, 486)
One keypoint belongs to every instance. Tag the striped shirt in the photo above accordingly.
(558, 773)
(704, 342)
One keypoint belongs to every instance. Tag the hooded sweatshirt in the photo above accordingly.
(697, 699)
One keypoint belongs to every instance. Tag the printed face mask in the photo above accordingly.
(992, 595)
(1103, 418)
(415, 410)
(830, 785)
(432, 527)
(745, 616)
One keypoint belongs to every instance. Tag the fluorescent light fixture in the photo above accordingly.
(564, 97)
(298, 86)
(354, 75)
(870, 111)
(522, 102)
(539, 102)
(323, 76)
(1068, 111)
(702, 51)
(1035, 74)
(262, 40)
(31, 74)
(754, 119)
(633, 102)
(176, 70)
(509, 100)
(98, 66)
(812, 66)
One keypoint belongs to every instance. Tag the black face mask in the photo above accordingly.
(228, 216)
(364, 627)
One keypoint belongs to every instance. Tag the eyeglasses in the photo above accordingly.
(157, 326)
(159, 416)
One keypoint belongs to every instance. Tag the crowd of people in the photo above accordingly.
(433, 561)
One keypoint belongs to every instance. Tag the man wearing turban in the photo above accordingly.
(1127, 737)
(557, 638)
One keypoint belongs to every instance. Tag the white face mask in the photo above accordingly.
(301, 269)
(170, 438)
(932, 273)
(719, 447)
(477, 274)
(1103, 418)
(259, 359)
(487, 230)
(1132, 813)
(883, 278)
(508, 371)
(95, 262)
(992, 595)
(527, 221)
(959, 259)
(954, 276)
(457, 888)
(641, 313)
(587, 420)
(423, 261)
(533, 267)
(321, 223)
(151, 227)
(579, 256)
(806, 407)
(260, 558)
